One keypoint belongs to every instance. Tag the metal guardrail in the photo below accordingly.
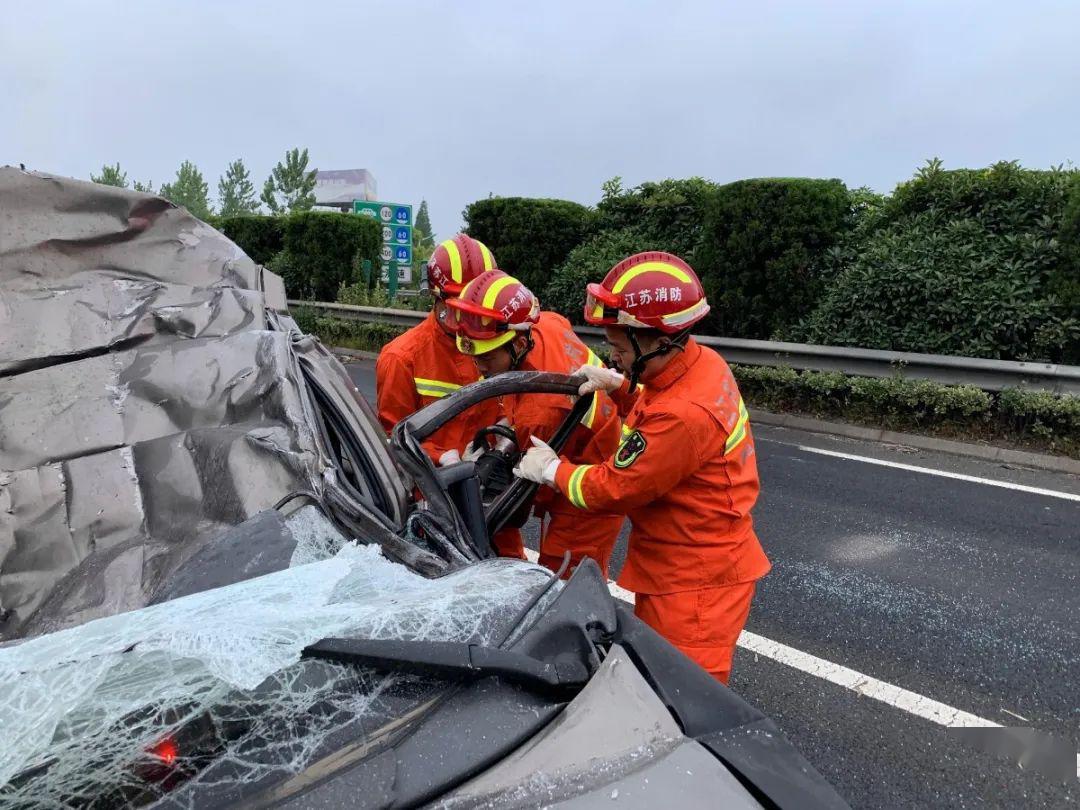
(989, 375)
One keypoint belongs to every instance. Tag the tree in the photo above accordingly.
(188, 190)
(236, 194)
(423, 223)
(290, 186)
(111, 176)
(148, 186)
(423, 241)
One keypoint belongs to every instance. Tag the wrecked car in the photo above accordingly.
(222, 585)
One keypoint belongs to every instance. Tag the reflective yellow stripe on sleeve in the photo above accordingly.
(590, 416)
(574, 486)
(434, 388)
(738, 435)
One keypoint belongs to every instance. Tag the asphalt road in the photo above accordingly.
(960, 591)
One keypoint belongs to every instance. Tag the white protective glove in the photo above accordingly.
(449, 457)
(472, 455)
(539, 464)
(599, 379)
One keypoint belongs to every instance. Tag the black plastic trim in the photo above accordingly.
(745, 740)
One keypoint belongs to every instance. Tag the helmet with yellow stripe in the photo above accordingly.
(648, 292)
(652, 290)
(491, 311)
(456, 262)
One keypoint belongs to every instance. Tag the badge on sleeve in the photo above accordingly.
(632, 446)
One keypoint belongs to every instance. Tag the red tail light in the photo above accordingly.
(165, 750)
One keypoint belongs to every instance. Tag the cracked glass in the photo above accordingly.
(208, 694)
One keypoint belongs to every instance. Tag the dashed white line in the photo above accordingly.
(990, 482)
(865, 685)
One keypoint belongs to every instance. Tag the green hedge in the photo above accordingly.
(652, 216)
(759, 245)
(753, 242)
(529, 237)
(982, 263)
(669, 213)
(360, 295)
(1043, 415)
(1064, 283)
(590, 261)
(1041, 420)
(316, 252)
(322, 251)
(958, 262)
(261, 238)
(346, 334)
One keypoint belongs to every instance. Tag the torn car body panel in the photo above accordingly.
(151, 395)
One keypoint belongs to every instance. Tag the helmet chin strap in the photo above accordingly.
(443, 314)
(516, 357)
(678, 341)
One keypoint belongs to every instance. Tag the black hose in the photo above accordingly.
(300, 493)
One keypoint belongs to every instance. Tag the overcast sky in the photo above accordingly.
(453, 101)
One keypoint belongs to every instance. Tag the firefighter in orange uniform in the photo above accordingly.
(423, 365)
(500, 326)
(685, 471)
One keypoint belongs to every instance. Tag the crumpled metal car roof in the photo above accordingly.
(150, 396)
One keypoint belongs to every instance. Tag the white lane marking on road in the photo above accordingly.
(865, 685)
(1051, 493)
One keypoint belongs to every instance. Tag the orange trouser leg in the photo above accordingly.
(582, 535)
(703, 624)
(507, 543)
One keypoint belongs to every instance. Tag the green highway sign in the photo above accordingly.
(384, 212)
(397, 236)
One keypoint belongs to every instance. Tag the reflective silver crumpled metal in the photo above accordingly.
(147, 399)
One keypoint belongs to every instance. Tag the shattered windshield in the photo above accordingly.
(208, 691)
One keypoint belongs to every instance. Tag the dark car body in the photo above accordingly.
(221, 585)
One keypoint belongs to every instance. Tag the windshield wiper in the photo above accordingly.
(454, 660)
(558, 652)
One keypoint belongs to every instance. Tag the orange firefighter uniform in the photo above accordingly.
(685, 473)
(423, 365)
(420, 367)
(489, 315)
(564, 528)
